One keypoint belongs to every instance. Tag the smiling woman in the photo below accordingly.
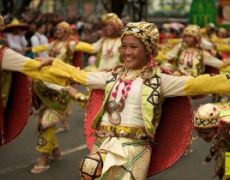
(128, 118)
(127, 121)
(133, 52)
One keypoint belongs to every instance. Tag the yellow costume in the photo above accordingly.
(191, 60)
(47, 140)
(118, 151)
(123, 152)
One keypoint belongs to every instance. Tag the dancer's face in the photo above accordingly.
(109, 30)
(190, 41)
(133, 52)
(207, 134)
(60, 33)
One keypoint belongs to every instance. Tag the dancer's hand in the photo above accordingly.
(78, 96)
(226, 62)
(45, 61)
(72, 91)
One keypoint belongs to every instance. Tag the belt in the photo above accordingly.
(121, 131)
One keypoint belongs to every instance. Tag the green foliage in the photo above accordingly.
(203, 12)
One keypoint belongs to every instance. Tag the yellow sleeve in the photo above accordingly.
(225, 68)
(160, 57)
(13, 61)
(223, 47)
(217, 40)
(173, 41)
(40, 48)
(206, 84)
(62, 70)
(84, 47)
(30, 68)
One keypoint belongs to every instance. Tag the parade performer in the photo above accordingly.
(222, 42)
(10, 111)
(62, 48)
(107, 47)
(15, 37)
(39, 38)
(54, 106)
(188, 57)
(13, 116)
(129, 116)
(223, 145)
(49, 111)
(211, 122)
(206, 121)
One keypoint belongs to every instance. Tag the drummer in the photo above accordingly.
(223, 145)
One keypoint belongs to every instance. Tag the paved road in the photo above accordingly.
(17, 158)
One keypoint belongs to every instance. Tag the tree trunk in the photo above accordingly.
(117, 6)
(20, 7)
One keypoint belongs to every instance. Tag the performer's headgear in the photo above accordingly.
(112, 18)
(15, 24)
(64, 25)
(222, 30)
(146, 32)
(207, 116)
(194, 31)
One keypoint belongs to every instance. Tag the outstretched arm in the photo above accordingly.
(89, 48)
(13, 61)
(95, 80)
(214, 62)
(189, 86)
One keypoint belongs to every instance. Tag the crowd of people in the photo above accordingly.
(136, 66)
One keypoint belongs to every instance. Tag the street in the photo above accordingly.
(18, 157)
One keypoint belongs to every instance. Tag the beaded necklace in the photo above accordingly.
(114, 108)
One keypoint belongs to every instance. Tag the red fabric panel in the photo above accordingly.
(18, 107)
(172, 136)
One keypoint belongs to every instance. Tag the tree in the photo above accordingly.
(13, 7)
(136, 9)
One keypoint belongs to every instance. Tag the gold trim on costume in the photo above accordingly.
(121, 131)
